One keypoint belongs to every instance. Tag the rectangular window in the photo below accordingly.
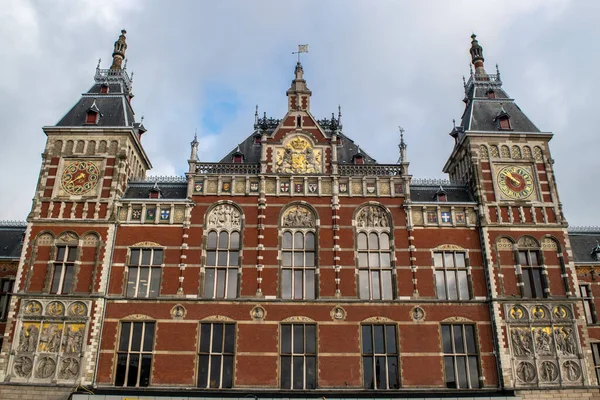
(144, 272)
(380, 357)
(298, 356)
(298, 265)
(461, 362)
(216, 355)
(64, 269)
(504, 123)
(374, 266)
(6, 288)
(221, 265)
(451, 275)
(91, 117)
(588, 303)
(596, 353)
(531, 269)
(134, 355)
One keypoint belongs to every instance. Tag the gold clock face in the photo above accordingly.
(515, 182)
(79, 177)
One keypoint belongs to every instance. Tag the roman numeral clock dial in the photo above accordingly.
(515, 182)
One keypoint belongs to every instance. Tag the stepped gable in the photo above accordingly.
(11, 239)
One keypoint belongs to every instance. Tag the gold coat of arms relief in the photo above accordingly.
(298, 157)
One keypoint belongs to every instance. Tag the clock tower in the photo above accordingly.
(506, 162)
(90, 155)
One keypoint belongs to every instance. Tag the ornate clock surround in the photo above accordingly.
(515, 182)
(79, 177)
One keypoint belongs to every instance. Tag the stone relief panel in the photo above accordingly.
(50, 344)
(544, 345)
(224, 216)
(298, 157)
(298, 217)
(372, 217)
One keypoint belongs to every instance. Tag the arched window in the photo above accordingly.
(63, 269)
(223, 244)
(373, 245)
(528, 258)
(298, 254)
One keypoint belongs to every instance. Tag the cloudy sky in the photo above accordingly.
(205, 65)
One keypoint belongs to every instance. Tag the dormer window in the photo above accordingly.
(440, 195)
(257, 139)
(504, 122)
(91, 118)
(104, 89)
(358, 159)
(491, 94)
(238, 158)
(155, 192)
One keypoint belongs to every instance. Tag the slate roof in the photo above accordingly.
(582, 244)
(168, 190)
(114, 111)
(11, 241)
(426, 193)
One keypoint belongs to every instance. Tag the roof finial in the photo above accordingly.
(453, 123)
(497, 72)
(194, 145)
(339, 115)
(119, 51)
(477, 55)
(402, 146)
(125, 64)
(256, 115)
(302, 48)
(98, 66)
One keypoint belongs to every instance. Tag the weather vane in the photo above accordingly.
(302, 48)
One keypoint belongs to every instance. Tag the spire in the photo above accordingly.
(298, 94)
(402, 147)
(119, 51)
(339, 115)
(477, 56)
(194, 146)
(256, 116)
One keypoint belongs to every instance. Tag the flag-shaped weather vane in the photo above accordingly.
(302, 48)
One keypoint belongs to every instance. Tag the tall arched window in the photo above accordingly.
(222, 260)
(374, 250)
(298, 254)
(529, 258)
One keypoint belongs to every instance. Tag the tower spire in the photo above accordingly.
(298, 94)
(477, 55)
(119, 51)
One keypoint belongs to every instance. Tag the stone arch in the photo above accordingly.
(483, 152)
(549, 242)
(457, 319)
(516, 152)
(80, 146)
(224, 215)
(68, 237)
(69, 148)
(538, 153)
(58, 146)
(102, 147)
(91, 148)
(527, 154)
(494, 151)
(505, 242)
(217, 318)
(504, 151)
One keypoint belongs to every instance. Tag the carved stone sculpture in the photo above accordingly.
(521, 342)
(28, 338)
(565, 342)
(77, 309)
(525, 371)
(73, 339)
(50, 338)
(543, 342)
(33, 308)
(548, 371)
(224, 216)
(298, 217)
(45, 367)
(55, 309)
(69, 368)
(372, 217)
(571, 370)
(298, 157)
(22, 366)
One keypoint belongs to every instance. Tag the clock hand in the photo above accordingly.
(513, 179)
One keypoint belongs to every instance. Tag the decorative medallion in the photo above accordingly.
(561, 312)
(571, 370)
(343, 187)
(45, 367)
(179, 214)
(431, 217)
(136, 214)
(518, 313)
(284, 187)
(165, 214)
(538, 312)
(33, 308)
(548, 371)
(298, 187)
(258, 313)
(417, 314)
(240, 187)
(77, 309)
(79, 177)
(69, 368)
(224, 216)
(298, 157)
(254, 187)
(372, 217)
(22, 366)
(226, 187)
(298, 216)
(338, 313)
(198, 186)
(178, 312)
(515, 182)
(326, 187)
(150, 214)
(55, 309)
(460, 217)
(446, 218)
(525, 371)
(371, 187)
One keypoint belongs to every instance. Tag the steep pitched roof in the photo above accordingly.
(583, 244)
(11, 240)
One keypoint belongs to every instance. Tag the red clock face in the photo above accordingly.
(80, 177)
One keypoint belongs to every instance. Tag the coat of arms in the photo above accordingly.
(298, 187)
(165, 214)
(198, 186)
(312, 187)
(226, 187)
(254, 186)
(343, 188)
(298, 156)
(284, 187)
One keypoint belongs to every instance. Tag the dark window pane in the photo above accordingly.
(146, 256)
(149, 337)
(363, 282)
(229, 338)
(461, 369)
(459, 346)
(449, 260)
(523, 258)
(136, 341)
(534, 258)
(394, 382)
(286, 372)
(227, 372)
(298, 241)
(367, 340)
(310, 241)
(60, 254)
(449, 368)
(368, 373)
(234, 258)
(537, 281)
(222, 258)
(72, 253)
(135, 257)
(527, 290)
(311, 343)
(121, 370)
(440, 284)
(203, 371)
(298, 338)
(158, 257)
(470, 338)
(56, 278)
(286, 241)
(298, 372)
(379, 339)
(309, 259)
(223, 241)
(390, 339)
(286, 284)
(373, 241)
(215, 371)
(309, 290)
(125, 330)
(385, 260)
(311, 373)
(234, 241)
(473, 372)
(212, 240)
(298, 259)
(286, 339)
(362, 241)
(211, 258)
(381, 372)
(205, 338)
(232, 283)
(68, 279)
(217, 339)
(220, 283)
(298, 284)
(209, 283)
(145, 371)
(134, 365)
(154, 282)
(446, 339)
